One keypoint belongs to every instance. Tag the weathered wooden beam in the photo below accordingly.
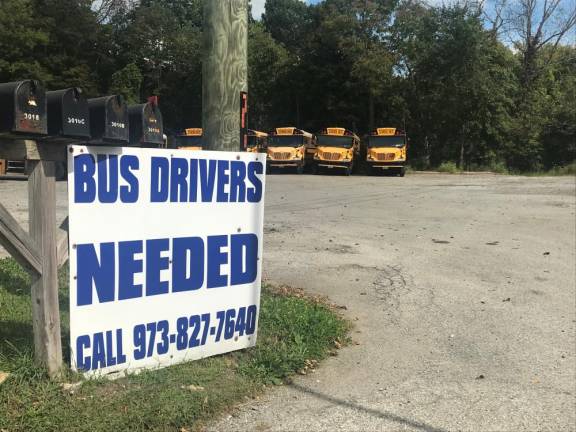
(32, 150)
(62, 244)
(18, 243)
(45, 307)
(224, 72)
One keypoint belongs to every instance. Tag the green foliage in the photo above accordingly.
(20, 42)
(293, 332)
(127, 82)
(459, 91)
(448, 167)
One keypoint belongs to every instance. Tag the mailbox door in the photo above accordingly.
(23, 108)
(152, 125)
(30, 109)
(116, 120)
(68, 114)
(108, 120)
(146, 129)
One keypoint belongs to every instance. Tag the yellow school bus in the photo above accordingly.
(290, 147)
(386, 150)
(256, 141)
(336, 148)
(191, 139)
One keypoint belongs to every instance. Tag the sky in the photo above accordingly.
(258, 5)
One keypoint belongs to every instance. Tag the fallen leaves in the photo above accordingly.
(193, 388)
(71, 387)
(3, 376)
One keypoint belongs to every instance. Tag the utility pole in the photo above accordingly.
(224, 72)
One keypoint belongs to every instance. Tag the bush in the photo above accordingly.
(569, 169)
(448, 167)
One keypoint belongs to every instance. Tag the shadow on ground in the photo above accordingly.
(384, 415)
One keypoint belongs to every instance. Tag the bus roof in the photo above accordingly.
(256, 133)
(193, 132)
(291, 130)
(339, 131)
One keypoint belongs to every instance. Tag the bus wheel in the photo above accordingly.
(402, 172)
(300, 169)
(315, 169)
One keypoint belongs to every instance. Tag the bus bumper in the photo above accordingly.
(284, 164)
(333, 164)
(386, 165)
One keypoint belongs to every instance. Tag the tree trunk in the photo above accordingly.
(370, 112)
(298, 111)
(224, 72)
(426, 152)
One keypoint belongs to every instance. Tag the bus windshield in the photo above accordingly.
(334, 141)
(252, 141)
(285, 141)
(386, 141)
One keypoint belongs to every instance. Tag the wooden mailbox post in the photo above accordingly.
(39, 250)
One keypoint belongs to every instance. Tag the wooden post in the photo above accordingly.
(3, 163)
(224, 72)
(45, 308)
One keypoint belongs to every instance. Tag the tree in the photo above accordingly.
(268, 71)
(126, 82)
(539, 24)
(21, 42)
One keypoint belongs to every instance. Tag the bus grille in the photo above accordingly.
(281, 155)
(384, 156)
(330, 156)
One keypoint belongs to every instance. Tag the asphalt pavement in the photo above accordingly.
(462, 293)
(461, 289)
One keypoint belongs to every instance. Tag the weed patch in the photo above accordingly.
(295, 332)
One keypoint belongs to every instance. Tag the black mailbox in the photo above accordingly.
(108, 120)
(68, 115)
(23, 108)
(146, 129)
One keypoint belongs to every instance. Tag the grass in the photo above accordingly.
(500, 168)
(295, 331)
(567, 170)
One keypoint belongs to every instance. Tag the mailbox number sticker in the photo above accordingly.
(153, 130)
(29, 116)
(73, 120)
(118, 125)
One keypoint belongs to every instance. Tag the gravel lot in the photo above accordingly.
(461, 289)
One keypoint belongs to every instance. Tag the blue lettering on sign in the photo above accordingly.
(109, 178)
(159, 179)
(187, 264)
(129, 163)
(100, 350)
(110, 273)
(99, 179)
(215, 260)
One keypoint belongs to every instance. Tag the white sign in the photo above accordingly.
(165, 255)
